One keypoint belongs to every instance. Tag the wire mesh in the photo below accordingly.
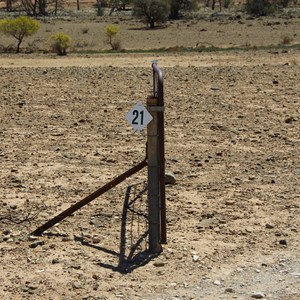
(135, 220)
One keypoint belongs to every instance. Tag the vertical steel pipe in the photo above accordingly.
(153, 178)
(158, 92)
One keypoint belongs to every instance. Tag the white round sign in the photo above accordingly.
(138, 117)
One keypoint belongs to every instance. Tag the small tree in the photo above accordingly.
(259, 7)
(60, 43)
(119, 4)
(111, 31)
(177, 5)
(152, 11)
(19, 28)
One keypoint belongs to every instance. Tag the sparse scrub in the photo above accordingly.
(85, 30)
(111, 32)
(259, 7)
(19, 28)
(7, 49)
(32, 46)
(286, 40)
(177, 6)
(60, 42)
(227, 3)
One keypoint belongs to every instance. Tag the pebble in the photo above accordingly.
(76, 285)
(196, 258)
(32, 286)
(96, 277)
(270, 226)
(170, 178)
(283, 242)
(21, 103)
(96, 240)
(32, 238)
(6, 232)
(158, 264)
(55, 261)
(36, 244)
(217, 282)
(6, 238)
(230, 202)
(258, 295)
(229, 290)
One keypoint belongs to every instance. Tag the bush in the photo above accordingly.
(152, 11)
(111, 32)
(19, 28)
(177, 6)
(227, 3)
(60, 43)
(286, 40)
(259, 7)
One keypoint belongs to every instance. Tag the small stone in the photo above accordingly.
(229, 290)
(36, 244)
(6, 238)
(96, 240)
(32, 286)
(229, 202)
(32, 238)
(76, 285)
(96, 277)
(158, 264)
(170, 178)
(21, 103)
(76, 267)
(217, 282)
(290, 120)
(283, 242)
(6, 232)
(25, 289)
(270, 226)
(258, 295)
(196, 258)
(295, 274)
(55, 261)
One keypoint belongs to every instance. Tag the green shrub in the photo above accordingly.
(152, 11)
(19, 28)
(60, 42)
(259, 7)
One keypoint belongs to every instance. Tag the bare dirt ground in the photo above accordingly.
(232, 141)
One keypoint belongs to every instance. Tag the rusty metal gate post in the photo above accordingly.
(156, 164)
(153, 178)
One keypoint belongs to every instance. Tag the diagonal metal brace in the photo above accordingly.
(90, 198)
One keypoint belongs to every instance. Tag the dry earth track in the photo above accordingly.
(232, 140)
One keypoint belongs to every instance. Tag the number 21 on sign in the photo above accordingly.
(138, 117)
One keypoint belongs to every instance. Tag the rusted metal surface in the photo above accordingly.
(90, 198)
(153, 178)
(158, 92)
